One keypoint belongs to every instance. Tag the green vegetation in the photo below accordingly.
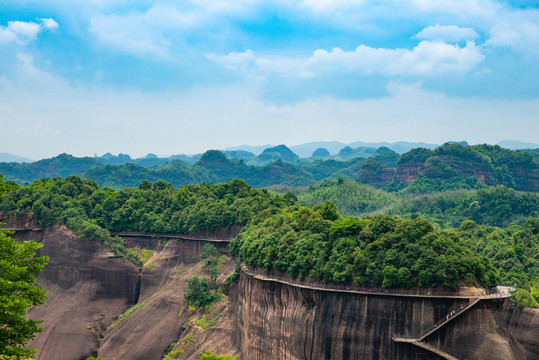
(206, 324)
(6, 186)
(453, 166)
(497, 206)
(377, 251)
(235, 276)
(473, 192)
(91, 212)
(200, 291)
(514, 250)
(173, 353)
(449, 167)
(88, 209)
(19, 269)
(129, 312)
(350, 197)
(208, 355)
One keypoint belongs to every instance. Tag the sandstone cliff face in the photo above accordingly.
(383, 175)
(293, 323)
(86, 291)
(407, 171)
(258, 320)
(160, 312)
(523, 323)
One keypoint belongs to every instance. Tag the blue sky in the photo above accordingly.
(171, 77)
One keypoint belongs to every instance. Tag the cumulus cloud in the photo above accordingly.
(49, 24)
(427, 58)
(447, 33)
(522, 37)
(22, 32)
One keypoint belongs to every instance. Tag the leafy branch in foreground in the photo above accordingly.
(19, 269)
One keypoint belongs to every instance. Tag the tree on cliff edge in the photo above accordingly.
(19, 269)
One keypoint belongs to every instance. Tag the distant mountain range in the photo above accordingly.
(248, 152)
(400, 147)
(307, 149)
(7, 157)
(517, 145)
(451, 166)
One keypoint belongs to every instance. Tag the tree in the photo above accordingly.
(19, 269)
(198, 292)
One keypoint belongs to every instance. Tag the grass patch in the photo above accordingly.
(188, 340)
(184, 326)
(145, 255)
(129, 312)
(206, 324)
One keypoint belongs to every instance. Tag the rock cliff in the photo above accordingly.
(523, 323)
(294, 323)
(87, 290)
(105, 307)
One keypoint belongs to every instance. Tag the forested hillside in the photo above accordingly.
(92, 212)
(377, 251)
(316, 241)
(496, 206)
(453, 166)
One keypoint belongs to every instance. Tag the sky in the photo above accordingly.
(168, 77)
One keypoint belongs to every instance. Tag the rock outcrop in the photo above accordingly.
(523, 323)
(87, 290)
(102, 306)
(294, 323)
(160, 312)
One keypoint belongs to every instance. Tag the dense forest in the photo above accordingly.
(496, 205)
(389, 251)
(158, 207)
(444, 217)
(374, 251)
(92, 212)
(454, 166)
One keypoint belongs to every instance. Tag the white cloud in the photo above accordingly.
(462, 8)
(430, 58)
(332, 5)
(241, 62)
(150, 32)
(427, 58)
(520, 36)
(49, 24)
(22, 32)
(447, 33)
(131, 34)
(248, 63)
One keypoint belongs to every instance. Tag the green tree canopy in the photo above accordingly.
(19, 269)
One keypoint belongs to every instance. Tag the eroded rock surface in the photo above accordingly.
(87, 290)
(523, 323)
(293, 323)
